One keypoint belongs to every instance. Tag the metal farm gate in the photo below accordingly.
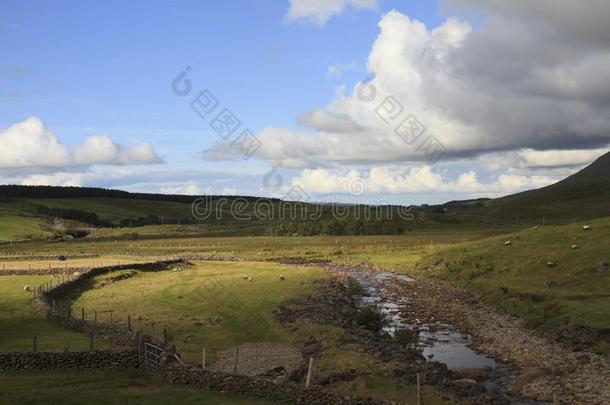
(152, 358)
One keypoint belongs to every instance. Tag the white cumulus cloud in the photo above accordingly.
(415, 180)
(533, 76)
(319, 11)
(29, 143)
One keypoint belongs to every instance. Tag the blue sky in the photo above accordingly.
(105, 68)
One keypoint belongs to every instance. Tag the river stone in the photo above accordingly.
(526, 378)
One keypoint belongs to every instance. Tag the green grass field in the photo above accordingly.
(18, 224)
(19, 322)
(399, 252)
(104, 387)
(184, 302)
(516, 278)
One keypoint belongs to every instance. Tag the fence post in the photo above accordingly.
(111, 311)
(82, 313)
(203, 359)
(236, 360)
(91, 341)
(34, 344)
(95, 316)
(419, 398)
(309, 372)
(129, 321)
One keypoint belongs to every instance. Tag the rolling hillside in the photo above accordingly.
(553, 277)
(31, 212)
(580, 197)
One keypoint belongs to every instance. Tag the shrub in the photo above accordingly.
(354, 287)
(407, 339)
(372, 318)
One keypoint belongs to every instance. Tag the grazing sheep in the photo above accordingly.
(250, 279)
(574, 247)
(76, 273)
(27, 288)
(586, 227)
(508, 243)
(282, 277)
(246, 276)
(551, 264)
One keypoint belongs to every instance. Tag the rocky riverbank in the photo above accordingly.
(333, 304)
(548, 371)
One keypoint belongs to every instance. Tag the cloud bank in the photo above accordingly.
(530, 78)
(29, 144)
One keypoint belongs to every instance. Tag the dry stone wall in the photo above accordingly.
(68, 360)
(259, 386)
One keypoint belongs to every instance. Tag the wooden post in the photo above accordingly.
(91, 341)
(236, 360)
(82, 314)
(419, 398)
(129, 321)
(111, 315)
(203, 359)
(95, 316)
(309, 373)
(165, 337)
(34, 344)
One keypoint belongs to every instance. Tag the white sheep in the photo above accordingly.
(282, 277)
(551, 264)
(508, 243)
(250, 279)
(246, 276)
(573, 247)
(76, 273)
(586, 227)
(27, 288)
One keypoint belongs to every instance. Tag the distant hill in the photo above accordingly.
(28, 212)
(581, 196)
(597, 172)
(32, 211)
(18, 191)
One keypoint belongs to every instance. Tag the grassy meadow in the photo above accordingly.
(188, 303)
(104, 387)
(400, 252)
(19, 322)
(518, 279)
(210, 304)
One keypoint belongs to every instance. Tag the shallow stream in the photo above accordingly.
(439, 341)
